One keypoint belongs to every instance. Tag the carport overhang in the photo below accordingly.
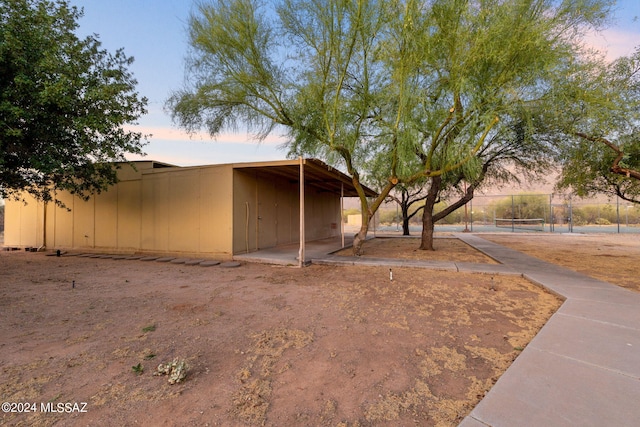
(317, 174)
(311, 173)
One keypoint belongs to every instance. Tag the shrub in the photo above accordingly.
(602, 221)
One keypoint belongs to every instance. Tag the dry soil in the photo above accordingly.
(263, 345)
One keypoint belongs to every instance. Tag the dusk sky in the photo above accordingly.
(154, 32)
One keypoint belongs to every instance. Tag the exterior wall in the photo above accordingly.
(187, 210)
(322, 214)
(107, 221)
(128, 215)
(60, 222)
(165, 210)
(216, 210)
(244, 213)
(23, 224)
(266, 212)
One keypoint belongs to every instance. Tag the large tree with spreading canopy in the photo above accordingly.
(414, 89)
(508, 60)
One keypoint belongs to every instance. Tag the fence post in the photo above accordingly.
(626, 216)
(551, 213)
(570, 215)
(618, 212)
(513, 215)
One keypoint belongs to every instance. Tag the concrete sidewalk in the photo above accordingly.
(583, 367)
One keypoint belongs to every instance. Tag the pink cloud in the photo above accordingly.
(173, 134)
(613, 43)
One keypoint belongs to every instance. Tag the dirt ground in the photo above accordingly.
(263, 345)
(609, 257)
(445, 247)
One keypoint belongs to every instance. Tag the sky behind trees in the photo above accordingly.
(155, 33)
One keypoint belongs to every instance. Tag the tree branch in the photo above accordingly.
(615, 166)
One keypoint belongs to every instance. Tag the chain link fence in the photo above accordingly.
(556, 213)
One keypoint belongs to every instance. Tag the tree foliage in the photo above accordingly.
(408, 89)
(63, 103)
(514, 54)
(600, 146)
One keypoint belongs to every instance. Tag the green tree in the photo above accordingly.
(600, 150)
(401, 89)
(63, 103)
(410, 199)
(344, 80)
(513, 152)
(498, 59)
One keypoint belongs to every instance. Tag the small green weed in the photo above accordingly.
(53, 399)
(138, 369)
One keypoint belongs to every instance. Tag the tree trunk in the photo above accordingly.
(405, 221)
(427, 214)
(427, 230)
(429, 219)
(367, 210)
(361, 236)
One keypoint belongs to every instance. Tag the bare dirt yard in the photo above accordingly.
(612, 258)
(261, 345)
(445, 247)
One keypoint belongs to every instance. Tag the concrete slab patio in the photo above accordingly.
(288, 254)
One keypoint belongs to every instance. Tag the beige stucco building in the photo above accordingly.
(213, 211)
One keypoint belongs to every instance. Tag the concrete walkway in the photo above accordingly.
(583, 367)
